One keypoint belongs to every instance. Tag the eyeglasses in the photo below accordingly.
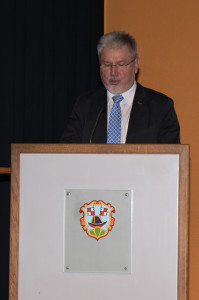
(119, 65)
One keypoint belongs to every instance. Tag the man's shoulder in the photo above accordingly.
(90, 101)
(93, 94)
(149, 94)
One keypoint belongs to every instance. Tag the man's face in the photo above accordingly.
(116, 77)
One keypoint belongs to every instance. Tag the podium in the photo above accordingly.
(144, 254)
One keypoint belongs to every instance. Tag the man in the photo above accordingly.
(122, 111)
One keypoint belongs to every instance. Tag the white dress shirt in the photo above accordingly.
(126, 105)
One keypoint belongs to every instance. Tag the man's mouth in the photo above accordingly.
(114, 81)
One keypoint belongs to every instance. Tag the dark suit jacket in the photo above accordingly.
(153, 119)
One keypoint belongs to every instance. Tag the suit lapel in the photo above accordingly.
(137, 119)
(98, 119)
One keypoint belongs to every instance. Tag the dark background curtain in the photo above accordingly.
(47, 57)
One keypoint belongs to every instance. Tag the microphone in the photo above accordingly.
(96, 122)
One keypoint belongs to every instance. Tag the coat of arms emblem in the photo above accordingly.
(97, 220)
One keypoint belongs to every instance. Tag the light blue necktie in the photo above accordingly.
(114, 125)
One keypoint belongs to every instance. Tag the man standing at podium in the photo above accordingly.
(122, 110)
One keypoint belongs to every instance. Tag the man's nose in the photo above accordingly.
(113, 70)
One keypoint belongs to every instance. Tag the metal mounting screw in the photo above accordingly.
(67, 267)
(68, 193)
(126, 194)
(125, 268)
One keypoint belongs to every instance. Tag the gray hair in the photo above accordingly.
(117, 39)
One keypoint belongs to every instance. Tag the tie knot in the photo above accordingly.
(117, 98)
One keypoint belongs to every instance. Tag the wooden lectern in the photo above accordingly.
(157, 175)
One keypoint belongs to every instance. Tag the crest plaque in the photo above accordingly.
(97, 231)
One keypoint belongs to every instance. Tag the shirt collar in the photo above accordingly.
(128, 95)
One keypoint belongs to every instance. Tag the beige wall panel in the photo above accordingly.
(168, 45)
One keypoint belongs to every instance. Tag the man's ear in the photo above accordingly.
(137, 62)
